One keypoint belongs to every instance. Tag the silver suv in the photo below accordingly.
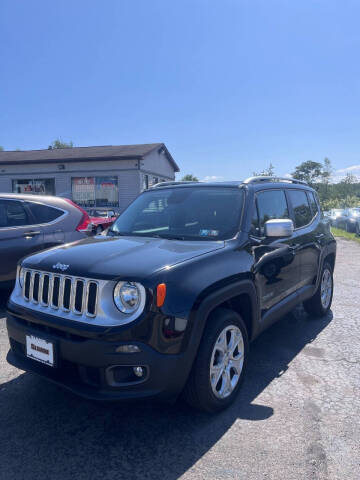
(29, 223)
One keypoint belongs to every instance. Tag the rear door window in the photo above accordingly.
(13, 214)
(301, 208)
(44, 213)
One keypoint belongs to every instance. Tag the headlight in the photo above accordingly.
(129, 297)
(21, 275)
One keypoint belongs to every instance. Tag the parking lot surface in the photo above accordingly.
(297, 416)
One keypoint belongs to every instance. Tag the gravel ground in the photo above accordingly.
(296, 418)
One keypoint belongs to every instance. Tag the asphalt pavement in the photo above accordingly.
(297, 416)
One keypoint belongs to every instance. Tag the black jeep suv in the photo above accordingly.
(168, 301)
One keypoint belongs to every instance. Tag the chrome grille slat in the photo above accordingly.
(60, 289)
(41, 286)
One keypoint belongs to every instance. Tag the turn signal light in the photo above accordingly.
(160, 294)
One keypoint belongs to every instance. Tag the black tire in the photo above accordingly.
(315, 306)
(99, 230)
(198, 392)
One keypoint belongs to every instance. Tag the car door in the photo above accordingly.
(18, 236)
(276, 262)
(308, 233)
(49, 220)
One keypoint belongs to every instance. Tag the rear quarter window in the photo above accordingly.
(44, 213)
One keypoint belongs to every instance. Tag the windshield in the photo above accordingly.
(99, 213)
(202, 213)
(355, 212)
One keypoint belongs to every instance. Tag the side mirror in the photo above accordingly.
(279, 228)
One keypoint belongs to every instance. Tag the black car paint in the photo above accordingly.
(199, 275)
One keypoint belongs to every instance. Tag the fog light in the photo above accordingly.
(128, 349)
(139, 371)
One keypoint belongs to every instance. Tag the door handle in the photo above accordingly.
(319, 236)
(32, 233)
(294, 247)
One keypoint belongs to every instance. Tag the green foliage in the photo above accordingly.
(337, 232)
(310, 172)
(267, 172)
(58, 143)
(332, 195)
(1, 148)
(189, 178)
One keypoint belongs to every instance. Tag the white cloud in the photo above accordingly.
(349, 169)
(288, 175)
(340, 174)
(212, 178)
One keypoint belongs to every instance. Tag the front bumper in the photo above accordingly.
(83, 363)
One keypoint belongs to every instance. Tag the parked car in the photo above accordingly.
(29, 223)
(335, 214)
(168, 301)
(349, 220)
(101, 219)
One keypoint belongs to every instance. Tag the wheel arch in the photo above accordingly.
(240, 296)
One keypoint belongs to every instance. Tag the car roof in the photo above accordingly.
(49, 199)
(256, 183)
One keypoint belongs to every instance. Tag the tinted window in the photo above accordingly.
(313, 204)
(13, 214)
(43, 213)
(206, 213)
(254, 228)
(301, 207)
(271, 204)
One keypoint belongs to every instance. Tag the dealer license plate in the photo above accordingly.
(40, 350)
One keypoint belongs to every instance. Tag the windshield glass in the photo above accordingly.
(99, 213)
(202, 213)
(355, 212)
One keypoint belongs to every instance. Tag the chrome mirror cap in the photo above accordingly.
(279, 227)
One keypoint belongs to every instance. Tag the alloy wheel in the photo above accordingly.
(227, 361)
(326, 288)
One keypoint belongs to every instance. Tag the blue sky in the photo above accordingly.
(229, 85)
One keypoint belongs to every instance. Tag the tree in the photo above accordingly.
(327, 171)
(310, 172)
(1, 148)
(58, 143)
(189, 178)
(267, 172)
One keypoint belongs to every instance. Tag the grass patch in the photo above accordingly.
(337, 232)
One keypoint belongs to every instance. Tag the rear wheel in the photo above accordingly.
(219, 367)
(320, 303)
(99, 230)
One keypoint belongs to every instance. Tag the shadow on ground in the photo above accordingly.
(50, 432)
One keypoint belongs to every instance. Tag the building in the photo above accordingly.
(108, 176)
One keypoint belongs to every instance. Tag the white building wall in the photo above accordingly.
(130, 177)
(158, 165)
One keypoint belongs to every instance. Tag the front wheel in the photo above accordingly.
(320, 303)
(219, 367)
(98, 230)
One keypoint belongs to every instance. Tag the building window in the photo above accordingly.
(37, 186)
(145, 181)
(95, 191)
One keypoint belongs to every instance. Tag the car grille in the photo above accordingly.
(61, 292)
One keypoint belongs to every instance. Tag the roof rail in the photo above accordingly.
(260, 179)
(169, 184)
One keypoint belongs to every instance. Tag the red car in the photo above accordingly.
(101, 219)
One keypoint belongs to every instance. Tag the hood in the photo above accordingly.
(111, 257)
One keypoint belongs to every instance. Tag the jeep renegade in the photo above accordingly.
(167, 302)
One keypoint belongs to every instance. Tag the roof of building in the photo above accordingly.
(81, 154)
